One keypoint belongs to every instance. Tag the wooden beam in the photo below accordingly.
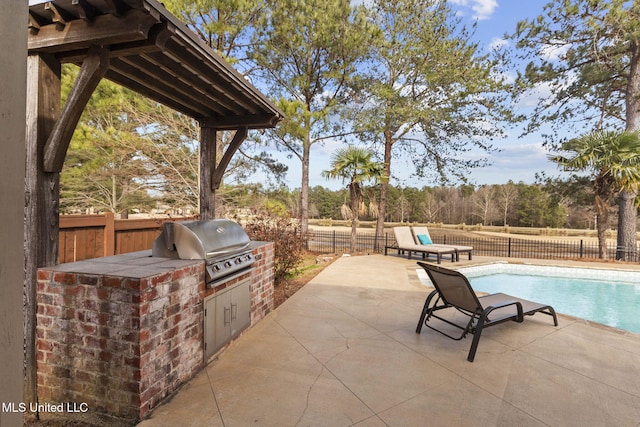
(41, 216)
(58, 16)
(158, 36)
(93, 69)
(34, 25)
(251, 121)
(104, 30)
(208, 146)
(85, 10)
(114, 7)
(218, 173)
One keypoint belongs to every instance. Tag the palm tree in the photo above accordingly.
(613, 159)
(355, 166)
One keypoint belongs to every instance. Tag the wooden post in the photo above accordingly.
(208, 146)
(109, 234)
(41, 220)
(13, 44)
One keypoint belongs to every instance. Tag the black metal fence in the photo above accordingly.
(332, 241)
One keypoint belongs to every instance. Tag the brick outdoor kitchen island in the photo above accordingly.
(121, 333)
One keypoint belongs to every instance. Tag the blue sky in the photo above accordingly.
(519, 158)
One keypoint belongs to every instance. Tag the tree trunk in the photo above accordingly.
(355, 205)
(602, 223)
(627, 215)
(384, 190)
(627, 218)
(304, 187)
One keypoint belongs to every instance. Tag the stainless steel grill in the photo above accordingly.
(222, 243)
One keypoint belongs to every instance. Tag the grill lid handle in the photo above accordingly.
(228, 250)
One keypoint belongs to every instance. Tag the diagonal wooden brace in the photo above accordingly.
(93, 68)
(218, 173)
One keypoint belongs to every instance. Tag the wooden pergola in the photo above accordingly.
(141, 46)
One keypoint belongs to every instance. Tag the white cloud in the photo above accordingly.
(497, 42)
(482, 9)
(554, 52)
(531, 98)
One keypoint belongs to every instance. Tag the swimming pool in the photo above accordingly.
(611, 297)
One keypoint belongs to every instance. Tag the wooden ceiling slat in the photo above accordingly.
(59, 15)
(192, 95)
(177, 105)
(34, 25)
(167, 91)
(85, 10)
(215, 77)
(193, 79)
(115, 7)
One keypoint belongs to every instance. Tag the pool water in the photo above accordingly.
(612, 303)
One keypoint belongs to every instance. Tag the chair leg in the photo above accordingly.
(425, 310)
(476, 337)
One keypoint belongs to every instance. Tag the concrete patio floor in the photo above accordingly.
(343, 351)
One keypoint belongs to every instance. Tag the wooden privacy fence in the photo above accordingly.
(93, 236)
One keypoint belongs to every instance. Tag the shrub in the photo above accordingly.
(286, 234)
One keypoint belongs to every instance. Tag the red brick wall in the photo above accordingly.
(262, 283)
(121, 333)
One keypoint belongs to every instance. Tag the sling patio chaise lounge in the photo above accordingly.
(453, 290)
(422, 237)
(405, 243)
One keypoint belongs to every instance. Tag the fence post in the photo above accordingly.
(509, 249)
(109, 234)
(334, 242)
(580, 248)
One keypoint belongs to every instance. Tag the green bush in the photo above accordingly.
(285, 233)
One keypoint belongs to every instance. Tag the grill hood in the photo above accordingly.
(216, 238)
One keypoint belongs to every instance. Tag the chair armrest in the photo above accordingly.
(519, 311)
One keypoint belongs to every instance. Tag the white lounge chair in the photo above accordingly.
(405, 243)
(422, 237)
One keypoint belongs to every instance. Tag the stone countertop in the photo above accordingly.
(133, 265)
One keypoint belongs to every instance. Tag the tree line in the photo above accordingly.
(551, 203)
